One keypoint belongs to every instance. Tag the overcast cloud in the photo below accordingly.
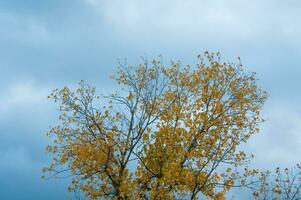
(48, 44)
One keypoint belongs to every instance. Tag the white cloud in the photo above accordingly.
(16, 160)
(21, 94)
(23, 29)
(201, 19)
(279, 141)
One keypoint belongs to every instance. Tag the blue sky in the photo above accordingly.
(49, 44)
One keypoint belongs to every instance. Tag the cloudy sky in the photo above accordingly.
(52, 43)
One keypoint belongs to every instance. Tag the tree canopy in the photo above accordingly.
(170, 132)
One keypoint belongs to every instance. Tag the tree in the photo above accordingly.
(280, 184)
(169, 133)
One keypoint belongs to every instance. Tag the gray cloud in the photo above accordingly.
(44, 45)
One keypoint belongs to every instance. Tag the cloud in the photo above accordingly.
(279, 142)
(21, 94)
(198, 20)
(16, 160)
(23, 29)
(23, 123)
(24, 120)
(21, 177)
(49, 44)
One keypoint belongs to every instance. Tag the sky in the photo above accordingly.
(52, 43)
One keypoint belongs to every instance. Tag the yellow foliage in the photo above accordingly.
(180, 124)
